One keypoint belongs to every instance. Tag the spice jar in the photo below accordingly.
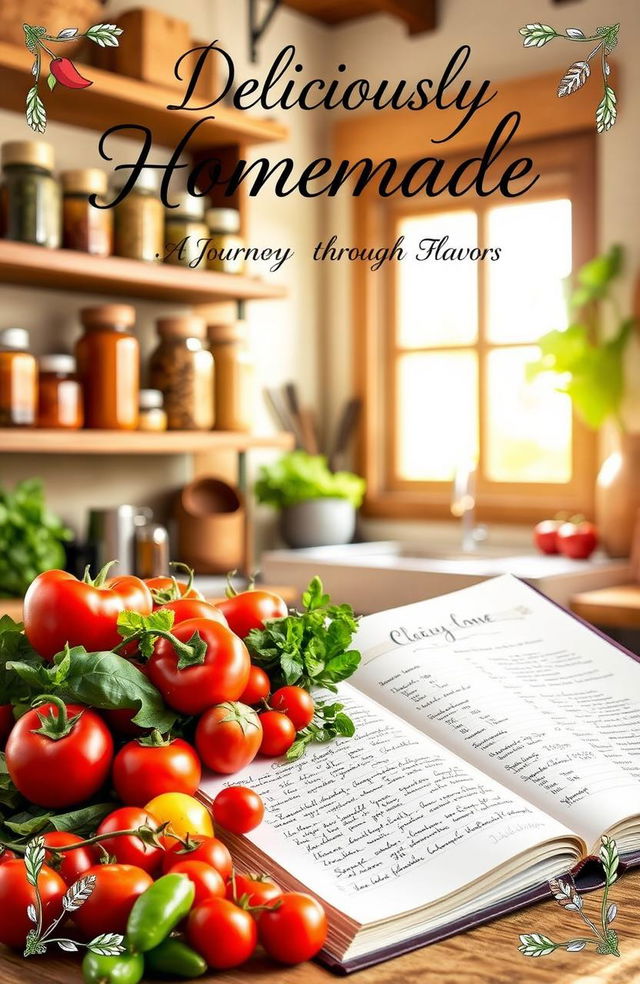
(152, 416)
(59, 393)
(182, 368)
(31, 211)
(224, 228)
(139, 219)
(18, 379)
(152, 550)
(184, 228)
(86, 227)
(235, 370)
(109, 367)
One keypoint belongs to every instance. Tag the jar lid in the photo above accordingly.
(14, 338)
(86, 181)
(59, 362)
(147, 180)
(187, 205)
(29, 152)
(108, 316)
(184, 326)
(151, 400)
(223, 219)
(232, 332)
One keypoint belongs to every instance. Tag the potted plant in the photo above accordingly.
(588, 363)
(317, 506)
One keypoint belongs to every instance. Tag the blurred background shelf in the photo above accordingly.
(26, 441)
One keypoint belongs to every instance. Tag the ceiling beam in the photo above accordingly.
(418, 15)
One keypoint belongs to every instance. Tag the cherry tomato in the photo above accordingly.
(59, 609)
(208, 882)
(296, 703)
(66, 764)
(251, 609)
(258, 687)
(545, 536)
(151, 766)
(188, 608)
(7, 722)
(209, 850)
(131, 850)
(116, 889)
(185, 814)
(238, 809)
(70, 865)
(228, 737)
(257, 889)
(223, 934)
(577, 540)
(222, 675)
(16, 894)
(164, 589)
(294, 931)
(278, 734)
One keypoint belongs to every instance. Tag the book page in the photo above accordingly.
(515, 685)
(387, 821)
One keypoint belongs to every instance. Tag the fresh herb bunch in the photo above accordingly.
(299, 476)
(329, 722)
(31, 537)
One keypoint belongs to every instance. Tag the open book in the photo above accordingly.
(498, 737)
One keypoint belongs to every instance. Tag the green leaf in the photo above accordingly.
(344, 726)
(610, 859)
(51, 81)
(342, 667)
(299, 476)
(536, 945)
(107, 944)
(314, 597)
(14, 646)
(104, 35)
(34, 859)
(537, 35)
(197, 655)
(31, 537)
(32, 36)
(35, 112)
(607, 111)
(131, 622)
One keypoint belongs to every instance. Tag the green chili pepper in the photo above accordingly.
(175, 959)
(158, 910)
(127, 968)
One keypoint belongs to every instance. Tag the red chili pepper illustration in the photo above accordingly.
(66, 73)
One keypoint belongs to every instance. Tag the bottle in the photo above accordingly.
(152, 416)
(31, 206)
(235, 371)
(59, 393)
(18, 379)
(224, 228)
(86, 227)
(139, 219)
(185, 225)
(108, 358)
(182, 368)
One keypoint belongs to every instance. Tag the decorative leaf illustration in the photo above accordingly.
(78, 893)
(68, 946)
(576, 946)
(51, 81)
(31, 912)
(537, 35)
(575, 32)
(32, 36)
(535, 945)
(68, 32)
(107, 944)
(610, 35)
(575, 77)
(611, 945)
(607, 112)
(612, 912)
(105, 35)
(36, 113)
(610, 860)
(34, 859)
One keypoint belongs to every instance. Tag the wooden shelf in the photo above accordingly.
(64, 269)
(25, 441)
(113, 100)
(418, 15)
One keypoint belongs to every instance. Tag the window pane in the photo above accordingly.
(526, 294)
(437, 302)
(438, 417)
(529, 424)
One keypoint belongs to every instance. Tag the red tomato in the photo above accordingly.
(16, 894)
(254, 889)
(228, 737)
(210, 850)
(278, 734)
(251, 609)
(7, 722)
(208, 882)
(222, 675)
(258, 687)
(7, 855)
(59, 609)
(223, 934)
(70, 865)
(545, 536)
(107, 908)
(577, 540)
(131, 850)
(294, 931)
(238, 809)
(187, 608)
(147, 768)
(164, 589)
(59, 771)
(296, 703)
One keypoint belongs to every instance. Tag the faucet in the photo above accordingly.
(463, 505)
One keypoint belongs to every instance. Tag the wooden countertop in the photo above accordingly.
(617, 607)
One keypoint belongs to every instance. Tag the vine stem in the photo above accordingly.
(139, 832)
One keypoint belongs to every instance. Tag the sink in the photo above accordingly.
(386, 574)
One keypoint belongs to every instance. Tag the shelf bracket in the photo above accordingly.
(259, 25)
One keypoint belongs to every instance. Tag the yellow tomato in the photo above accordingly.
(185, 814)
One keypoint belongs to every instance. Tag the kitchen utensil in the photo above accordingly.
(211, 526)
(112, 536)
(346, 427)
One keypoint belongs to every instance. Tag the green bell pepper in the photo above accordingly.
(158, 910)
(174, 958)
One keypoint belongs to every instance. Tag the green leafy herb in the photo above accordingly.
(140, 628)
(104, 35)
(14, 645)
(82, 821)
(299, 476)
(31, 537)
(329, 722)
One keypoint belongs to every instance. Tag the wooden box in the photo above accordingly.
(150, 45)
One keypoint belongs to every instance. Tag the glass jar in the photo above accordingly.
(224, 228)
(182, 368)
(18, 379)
(184, 228)
(109, 367)
(59, 393)
(235, 377)
(152, 416)
(31, 211)
(84, 226)
(139, 219)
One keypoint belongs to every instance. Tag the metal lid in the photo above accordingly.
(181, 326)
(86, 181)
(59, 362)
(223, 219)
(151, 400)
(187, 205)
(35, 152)
(147, 180)
(14, 338)
(109, 316)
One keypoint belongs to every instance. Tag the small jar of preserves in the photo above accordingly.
(59, 393)
(86, 227)
(108, 357)
(186, 233)
(31, 207)
(152, 416)
(182, 368)
(235, 377)
(18, 379)
(139, 219)
(224, 229)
